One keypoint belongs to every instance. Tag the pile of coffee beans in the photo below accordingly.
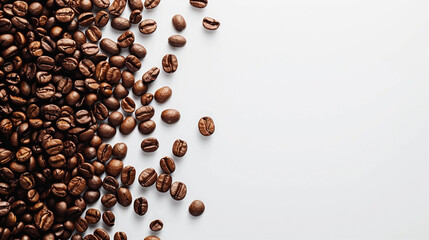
(61, 86)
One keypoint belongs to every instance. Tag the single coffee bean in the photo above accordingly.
(104, 152)
(128, 175)
(167, 165)
(149, 144)
(127, 79)
(81, 225)
(178, 191)
(93, 33)
(180, 147)
(85, 19)
(109, 218)
(156, 225)
(95, 182)
(136, 4)
(206, 126)
(163, 94)
(114, 167)
(4, 208)
(120, 150)
(124, 196)
(101, 234)
(151, 238)
(146, 99)
(211, 23)
(117, 7)
(64, 15)
(120, 23)
(91, 196)
(196, 208)
(138, 50)
(147, 26)
(77, 237)
(179, 22)
(128, 105)
(102, 18)
(77, 185)
(140, 206)
(90, 237)
(117, 61)
(149, 4)
(110, 184)
(199, 3)
(139, 88)
(136, 16)
(177, 41)
(147, 127)
(163, 183)
(101, 3)
(132, 63)
(66, 45)
(44, 219)
(128, 125)
(126, 39)
(170, 116)
(120, 91)
(99, 167)
(151, 75)
(108, 200)
(92, 216)
(109, 46)
(169, 63)
(120, 236)
(106, 131)
(147, 177)
(144, 113)
(115, 118)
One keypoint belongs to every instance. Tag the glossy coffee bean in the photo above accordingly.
(92, 216)
(117, 7)
(101, 234)
(136, 16)
(180, 147)
(120, 236)
(138, 50)
(199, 3)
(115, 118)
(128, 175)
(144, 113)
(179, 22)
(114, 167)
(147, 26)
(124, 196)
(128, 105)
(211, 23)
(147, 177)
(120, 150)
(196, 208)
(206, 126)
(108, 200)
(170, 63)
(101, 19)
(126, 39)
(177, 41)
(149, 144)
(149, 4)
(110, 184)
(128, 125)
(167, 165)
(163, 94)
(163, 183)
(170, 116)
(120, 23)
(147, 127)
(132, 63)
(140, 206)
(156, 225)
(139, 88)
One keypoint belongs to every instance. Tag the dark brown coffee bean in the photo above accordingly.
(115, 118)
(128, 175)
(206, 126)
(120, 91)
(117, 7)
(120, 23)
(127, 79)
(93, 33)
(152, 238)
(163, 183)
(139, 88)
(149, 4)
(167, 165)
(128, 125)
(178, 190)
(135, 4)
(64, 15)
(20, 8)
(149, 144)
(198, 3)
(177, 41)
(23, 154)
(87, 68)
(147, 127)
(144, 113)
(45, 92)
(91, 196)
(117, 61)
(90, 237)
(128, 105)
(170, 116)
(211, 23)
(85, 19)
(77, 185)
(136, 16)
(108, 200)
(85, 5)
(138, 50)
(92, 216)
(95, 182)
(140, 206)
(113, 75)
(179, 22)
(45, 63)
(147, 177)
(101, 3)
(126, 39)
(110, 184)
(109, 46)
(81, 225)
(106, 131)
(124, 196)
(196, 208)
(65, 45)
(156, 225)
(77, 237)
(109, 218)
(44, 219)
(104, 152)
(5, 25)
(99, 167)
(132, 63)
(4, 208)
(163, 94)
(146, 99)
(120, 236)
(147, 26)
(114, 167)
(102, 18)
(101, 234)
(170, 63)
(180, 147)
(120, 150)
(151, 75)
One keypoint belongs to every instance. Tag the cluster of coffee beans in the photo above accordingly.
(61, 86)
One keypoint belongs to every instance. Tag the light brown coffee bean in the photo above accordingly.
(128, 105)
(162, 95)
(170, 116)
(149, 144)
(170, 63)
(179, 22)
(211, 23)
(177, 41)
(147, 127)
(128, 125)
(206, 126)
(147, 26)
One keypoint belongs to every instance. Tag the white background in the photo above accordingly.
(322, 121)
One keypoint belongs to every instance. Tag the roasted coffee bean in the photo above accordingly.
(101, 234)
(90, 237)
(132, 63)
(144, 113)
(149, 4)
(4, 208)
(135, 4)
(113, 75)
(163, 94)
(149, 144)
(136, 16)
(211, 23)
(93, 33)
(146, 99)
(109, 218)
(23, 154)
(126, 39)
(20, 8)
(139, 88)
(151, 238)
(167, 165)
(87, 68)
(94, 182)
(147, 127)
(147, 26)
(109, 46)
(169, 63)
(120, 23)
(151, 75)
(140, 206)
(101, 3)
(127, 78)
(124, 196)
(128, 125)
(114, 167)
(44, 219)
(170, 116)
(128, 175)
(179, 22)
(106, 131)
(196, 208)
(109, 200)
(45, 63)
(66, 45)
(77, 237)
(156, 225)
(120, 91)
(147, 177)
(120, 236)
(110, 184)
(120, 150)
(138, 50)
(117, 61)
(206, 126)
(128, 105)
(198, 3)
(115, 118)
(102, 18)
(117, 7)
(81, 225)
(178, 190)
(104, 152)
(64, 15)
(177, 41)
(91, 196)
(92, 216)
(85, 19)
(180, 147)
(77, 185)
(163, 183)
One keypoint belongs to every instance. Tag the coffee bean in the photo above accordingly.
(95, 182)
(138, 50)
(110, 184)
(128, 175)
(101, 234)
(85, 19)
(127, 79)
(135, 4)
(90, 237)
(4, 208)
(152, 238)
(81, 225)
(167, 165)
(101, 3)
(178, 190)
(91, 196)
(149, 4)
(196, 208)
(151, 75)
(44, 219)
(108, 200)
(147, 177)
(106, 131)
(64, 15)
(211, 23)
(170, 116)
(114, 167)
(102, 18)
(179, 22)
(65, 45)
(124, 196)
(147, 26)
(180, 147)
(92, 216)
(120, 23)
(132, 63)
(163, 94)
(117, 7)
(120, 91)
(77, 185)
(147, 127)
(206, 126)
(146, 99)
(126, 39)
(144, 113)
(128, 105)
(93, 33)
(177, 41)
(139, 88)
(120, 150)
(136, 16)
(76, 237)
(149, 144)
(169, 63)
(140, 206)
(120, 236)
(163, 183)
(128, 125)
(109, 46)
(109, 218)
(104, 152)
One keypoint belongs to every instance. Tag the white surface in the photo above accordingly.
(321, 121)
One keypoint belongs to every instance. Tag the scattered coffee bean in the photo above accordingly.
(126, 39)
(211, 23)
(117, 7)
(101, 19)
(169, 63)
(149, 144)
(136, 4)
(198, 3)
(180, 147)
(128, 105)
(120, 150)
(167, 165)
(156, 225)
(115, 118)
(179, 22)
(170, 116)
(144, 113)
(140, 206)
(114, 167)
(147, 127)
(92, 216)
(108, 200)
(124, 196)
(120, 236)
(177, 41)
(146, 99)
(147, 177)
(110, 184)
(120, 23)
(152, 238)
(163, 183)
(128, 175)
(151, 75)
(178, 190)
(132, 63)
(206, 126)
(162, 95)
(136, 16)
(139, 88)
(138, 50)
(196, 208)
(149, 4)
(147, 26)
